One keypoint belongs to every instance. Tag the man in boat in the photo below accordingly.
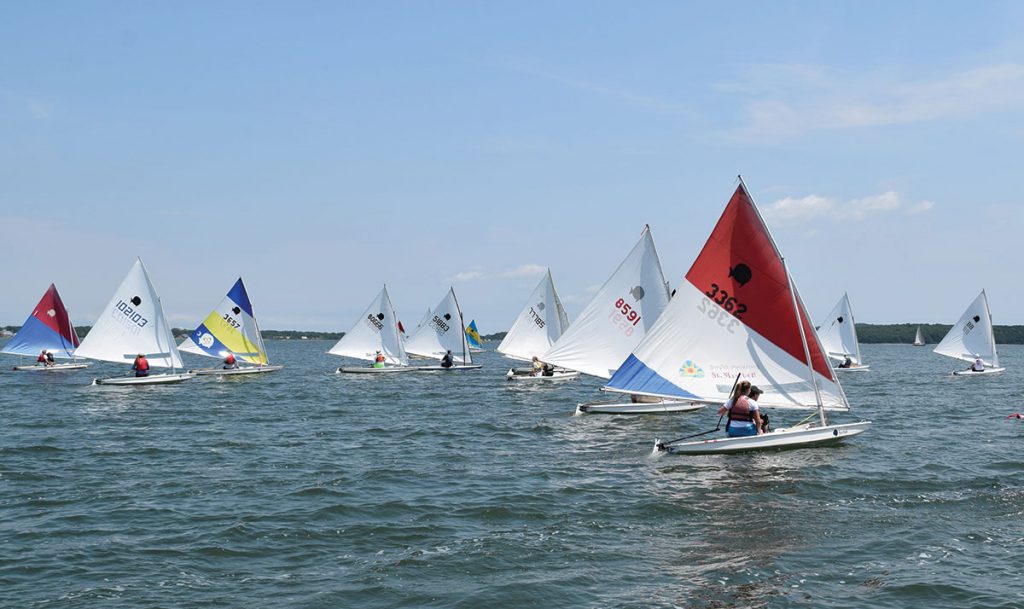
(447, 361)
(230, 363)
(378, 362)
(847, 363)
(49, 358)
(141, 365)
(755, 392)
(537, 367)
(743, 417)
(978, 365)
(42, 359)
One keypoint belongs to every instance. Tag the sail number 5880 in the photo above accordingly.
(727, 302)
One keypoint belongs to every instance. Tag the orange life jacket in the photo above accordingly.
(740, 410)
(142, 364)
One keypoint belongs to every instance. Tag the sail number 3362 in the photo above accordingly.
(727, 302)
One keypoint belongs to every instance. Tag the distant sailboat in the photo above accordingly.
(49, 329)
(838, 335)
(376, 331)
(443, 332)
(476, 344)
(539, 324)
(972, 338)
(737, 315)
(231, 328)
(132, 323)
(919, 338)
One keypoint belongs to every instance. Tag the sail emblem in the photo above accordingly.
(136, 300)
(637, 292)
(447, 316)
(691, 369)
(236, 310)
(741, 273)
(206, 340)
(52, 313)
(540, 306)
(840, 319)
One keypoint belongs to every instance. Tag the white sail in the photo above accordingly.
(919, 338)
(839, 335)
(541, 322)
(618, 317)
(423, 320)
(132, 323)
(230, 328)
(376, 329)
(443, 332)
(972, 335)
(736, 313)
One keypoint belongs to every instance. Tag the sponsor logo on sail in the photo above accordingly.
(690, 369)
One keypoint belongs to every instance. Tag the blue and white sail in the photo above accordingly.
(47, 328)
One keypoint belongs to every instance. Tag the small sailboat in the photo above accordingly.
(918, 338)
(476, 344)
(539, 324)
(48, 329)
(132, 323)
(971, 339)
(443, 332)
(736, 315)
(375, 332)
(838, 335)
(231, 329)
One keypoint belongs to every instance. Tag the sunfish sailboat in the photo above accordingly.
(476, 344)
(919, 338)
(375, 332)
(972, 338)
(839, 337)
(133, 323)
(444, 332)
(737, 313)
(539, 324)
(231, 329)
(47, 329)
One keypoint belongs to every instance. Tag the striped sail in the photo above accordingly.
(48, 327)
(230, 328)
(617, 317)
(734, 314)
(473, 336)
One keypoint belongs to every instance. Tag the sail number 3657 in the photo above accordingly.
(727, 302)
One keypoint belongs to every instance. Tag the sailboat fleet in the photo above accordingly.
(736, 320)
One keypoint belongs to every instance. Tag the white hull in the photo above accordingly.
(795, 437)
(53, 368)
(666, 407)
(853, 369)
(153, 379)
(557, 375)
(372, 370)
(985, 372)
(235, 371)
(452, 369)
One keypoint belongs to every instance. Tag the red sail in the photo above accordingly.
(740, 269)
(51, 312)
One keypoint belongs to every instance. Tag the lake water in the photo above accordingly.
(309, 489)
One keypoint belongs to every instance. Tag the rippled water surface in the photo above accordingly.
(309, 489)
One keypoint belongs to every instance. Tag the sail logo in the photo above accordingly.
(970, 324)
(206, 340)
(439, 324)
(374, 321)
(130, 313)
(690, 369)
(51, 313)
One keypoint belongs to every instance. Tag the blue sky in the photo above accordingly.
(322, 149)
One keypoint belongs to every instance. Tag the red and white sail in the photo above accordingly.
(736, 313)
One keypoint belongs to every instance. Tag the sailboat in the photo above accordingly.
(476, 344)
(737, 315)
(48, 329)
(133, 322)
(539, 324)
(443, 332)
(918, 338)
(972, 338)
(838, 335)
(376, 331)
(231, 328)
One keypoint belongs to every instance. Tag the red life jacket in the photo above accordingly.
(141, 364)
(230, 359)
(41, 359)
(740, 410)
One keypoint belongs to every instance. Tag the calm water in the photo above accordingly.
(306, 489)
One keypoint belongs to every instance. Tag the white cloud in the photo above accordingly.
(817, 206)
(468, 275)
(788, 100)
(479, 272)
(526, 270)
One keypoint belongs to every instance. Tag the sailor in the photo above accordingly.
(538, 367)
(755, 392)
(743, 418)
(447, 361)
(378, 362)
(42, 359)
(230, 363)
(978, 366)
(49, 358)
(847, 363)
(141, 365)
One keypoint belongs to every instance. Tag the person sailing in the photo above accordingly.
(847, 363)
(537, 367)
(978, 365)
(447, 361)
(743, 417)
(44, 359)
(378, 361)
(141, 365)
(230, 363)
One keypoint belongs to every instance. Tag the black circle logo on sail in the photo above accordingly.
(447, 316)
(741, 273)
(540, 306)
(136, 300)
(236, 310)
(840, 319)
(380, 316)
(637, 292)
(977, 319)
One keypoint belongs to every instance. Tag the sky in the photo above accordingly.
(322, 149)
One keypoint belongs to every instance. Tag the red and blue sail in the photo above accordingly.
(47, 328)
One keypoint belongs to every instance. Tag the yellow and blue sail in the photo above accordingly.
(473, 336)
(230, 328)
